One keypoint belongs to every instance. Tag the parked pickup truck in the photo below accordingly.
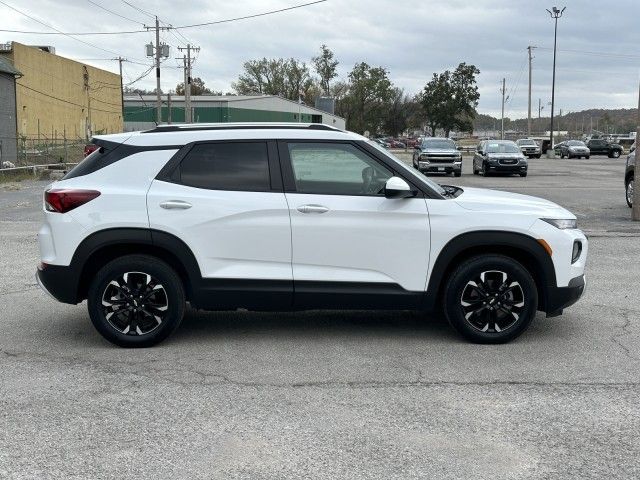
(600, 146)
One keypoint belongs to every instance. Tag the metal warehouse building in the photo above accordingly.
(140, 111)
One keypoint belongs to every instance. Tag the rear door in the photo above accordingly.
(350, 243)
(225, 201)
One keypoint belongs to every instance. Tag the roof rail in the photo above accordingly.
(240, 126)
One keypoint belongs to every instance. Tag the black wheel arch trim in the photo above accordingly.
(121, 241)
(525, 248)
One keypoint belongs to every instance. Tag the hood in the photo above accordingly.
(439, 150)
(485, 200)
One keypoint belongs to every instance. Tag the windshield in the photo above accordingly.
(576, 143)
(502, 148)
(433, 185)
(526, 142)
(439, 143)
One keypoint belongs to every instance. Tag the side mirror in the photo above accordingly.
(417, 146)
(396, 187)
(632, 149)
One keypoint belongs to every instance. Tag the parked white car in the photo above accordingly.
(293, 217)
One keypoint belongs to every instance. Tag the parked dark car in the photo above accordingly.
(629, 175)
(557, 147)
(600, 146)
(499, 156)
(573, 149)
(438, 155)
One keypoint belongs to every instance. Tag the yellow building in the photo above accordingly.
(61, 98)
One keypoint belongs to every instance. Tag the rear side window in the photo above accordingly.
(105, 154)
(227, 166)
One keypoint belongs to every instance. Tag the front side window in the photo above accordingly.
(336, 169)
(227, 166)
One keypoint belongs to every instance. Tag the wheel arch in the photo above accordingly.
(106, 245)
(522, 248)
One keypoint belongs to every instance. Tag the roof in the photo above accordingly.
(7, 67)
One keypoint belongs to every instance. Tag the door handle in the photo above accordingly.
(175, 205)
(312, 209)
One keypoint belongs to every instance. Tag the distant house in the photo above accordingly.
(8, 114)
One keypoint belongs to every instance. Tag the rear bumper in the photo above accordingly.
(559, 298)
(57, 282)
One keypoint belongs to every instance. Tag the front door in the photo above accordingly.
(351, 246)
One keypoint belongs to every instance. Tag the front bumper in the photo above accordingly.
(559, 298)
(437, 167)
(509, 168)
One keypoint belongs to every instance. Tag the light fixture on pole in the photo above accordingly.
(555, 14)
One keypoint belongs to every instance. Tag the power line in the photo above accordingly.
(112, 12)
(63, 100)
(53, 28)
(139, 9)
(597, 54)
(124, 32)
(250, 16)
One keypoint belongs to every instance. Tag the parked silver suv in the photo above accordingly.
(438, 155)
(529, 147)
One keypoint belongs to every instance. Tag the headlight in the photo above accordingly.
(562, 224)
(423, 156)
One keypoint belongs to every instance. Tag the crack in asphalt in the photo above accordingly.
(616, 338)
(180, 377)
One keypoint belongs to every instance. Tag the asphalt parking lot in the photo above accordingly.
(332, 394)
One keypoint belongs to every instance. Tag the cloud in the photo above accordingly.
(412, 39)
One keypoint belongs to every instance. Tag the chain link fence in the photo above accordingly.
(29, 151)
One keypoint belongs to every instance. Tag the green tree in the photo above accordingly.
(325, 66)
(288, 78)
(197, 88)
(402, 113)
(369, 94)
(450, 99)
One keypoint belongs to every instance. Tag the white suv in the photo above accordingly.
(294, 217)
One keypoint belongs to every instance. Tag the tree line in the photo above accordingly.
(366, 98)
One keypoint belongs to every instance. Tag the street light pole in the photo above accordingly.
(555, 14)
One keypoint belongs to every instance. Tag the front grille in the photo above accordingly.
(508, 161)
(441, 158)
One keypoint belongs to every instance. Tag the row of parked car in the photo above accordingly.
(595, 146)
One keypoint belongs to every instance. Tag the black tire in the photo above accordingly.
(457, 173)
(628, 192)
(562, 155)
(587, 157)
(615, 154)
(484, 172)
(538, 156)
(147, 297)
(524, 174)
(507, 316)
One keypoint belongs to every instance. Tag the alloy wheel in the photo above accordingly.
(630, 192)
(492, 302)
(135, 303)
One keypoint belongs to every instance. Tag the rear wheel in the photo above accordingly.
(629, 192)
(136, 301)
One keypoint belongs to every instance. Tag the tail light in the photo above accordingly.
(62, 200)
(90, 148)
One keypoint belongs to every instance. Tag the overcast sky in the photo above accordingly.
(598, 42)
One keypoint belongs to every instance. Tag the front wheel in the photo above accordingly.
(136, 301)
(587, 157)
(457, 173)
(629, 192)
(615, 154)
(523, 174)
(490, 299)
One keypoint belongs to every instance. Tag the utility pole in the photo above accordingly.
(120, 60)
(160, 51)
(529, 114)
(635, 209)
(539, 107)
(555, 15)
(187, 81)
(169, 107)
(502, 115)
